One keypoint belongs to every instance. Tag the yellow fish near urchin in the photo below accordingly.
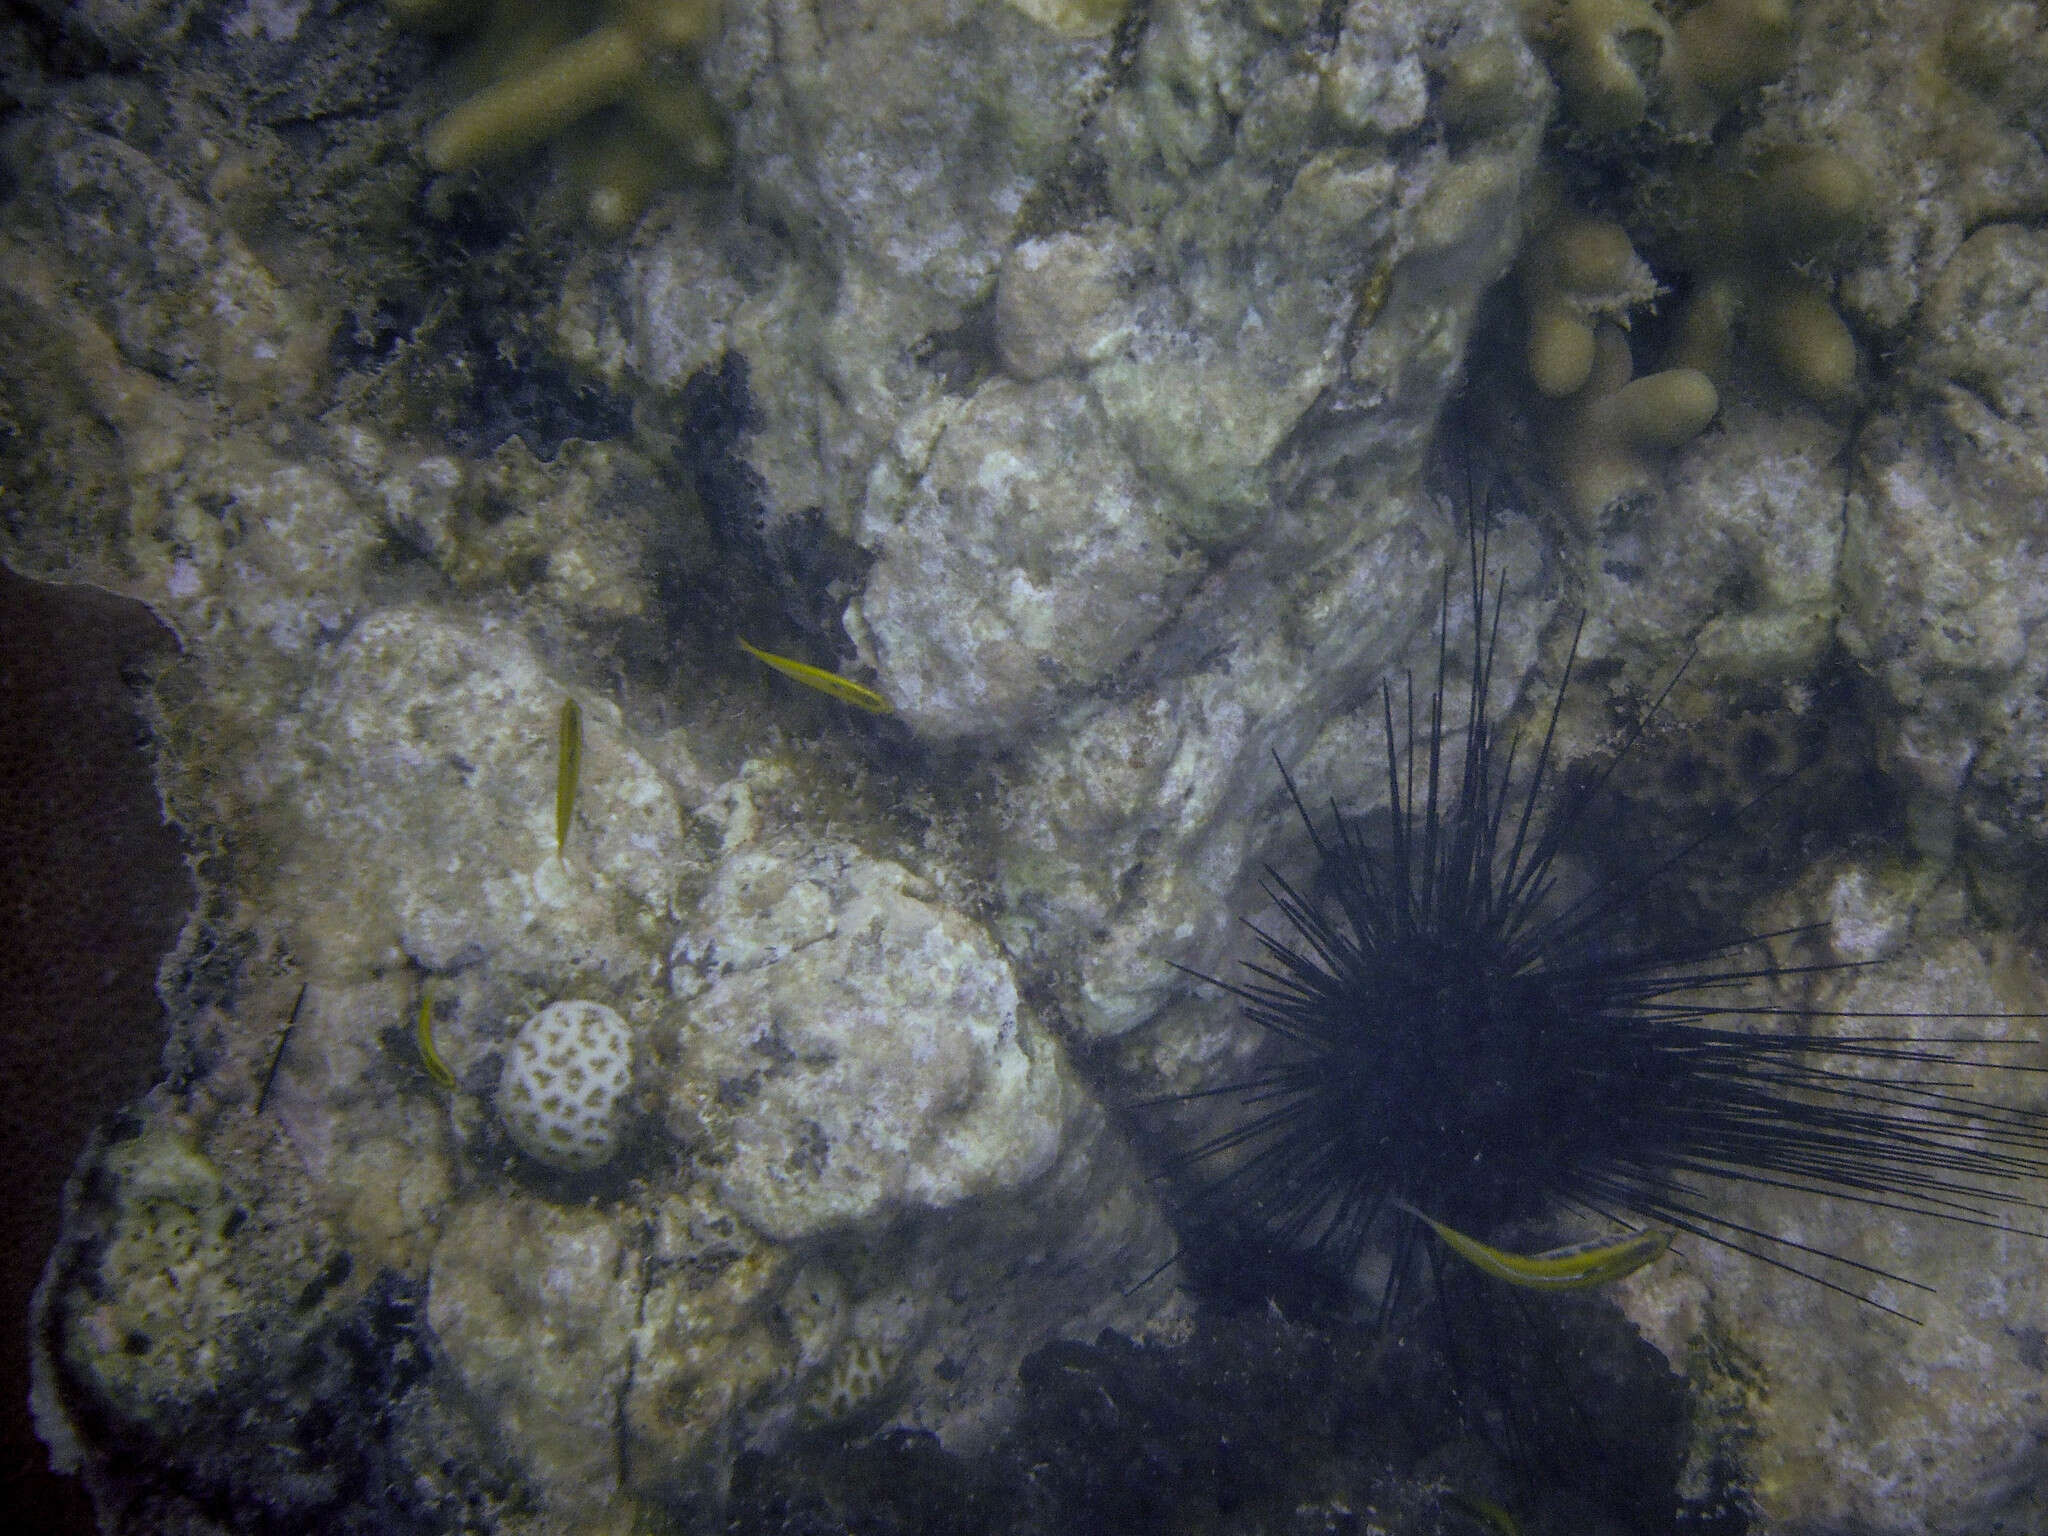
(1576, 1267)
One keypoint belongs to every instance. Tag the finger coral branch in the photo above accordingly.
(1575, 271)
(517, 113)
(1753, 243)
(624, 89)
(1609, 56)
(1729, 47)
(1607, 439)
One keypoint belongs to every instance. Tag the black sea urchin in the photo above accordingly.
(1457, 1035)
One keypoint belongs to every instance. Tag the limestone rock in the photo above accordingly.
(867, 1046)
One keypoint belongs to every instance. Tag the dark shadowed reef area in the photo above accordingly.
(95, 888)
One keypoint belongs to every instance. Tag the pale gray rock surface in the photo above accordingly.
(413, 796)
(867, 1046)
(1947, 569)
(1025, 557)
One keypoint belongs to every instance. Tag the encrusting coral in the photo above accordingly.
(622, 88)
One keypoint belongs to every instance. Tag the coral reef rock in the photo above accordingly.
(1069, 372)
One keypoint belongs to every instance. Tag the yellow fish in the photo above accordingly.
(1487, 1512)
(568, 766)
(844, 689)
(1576, 1267)
(430, 1058)
(1372, 295)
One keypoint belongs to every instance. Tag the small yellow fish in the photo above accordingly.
(844, 689)
(1487, 1512)
(430, 1058)
(1576, 1267)
(1372, 295)
(568, 766)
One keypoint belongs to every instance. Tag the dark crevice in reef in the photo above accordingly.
(96, 891)
(1262, 1422)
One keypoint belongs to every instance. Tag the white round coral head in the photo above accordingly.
(569, 1068)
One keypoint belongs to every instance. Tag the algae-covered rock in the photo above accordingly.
(1185, 394)
(167, 1288)
(1024, 555)
(180, 292)
(1207, 326)
(450, 735)
(536, 1307)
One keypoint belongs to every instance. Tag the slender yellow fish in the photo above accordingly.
(844, 689)
(430, 1058)
(1489, 1513)
(568, 766)
(1576, 1267)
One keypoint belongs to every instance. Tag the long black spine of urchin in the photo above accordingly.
(1455, 1036)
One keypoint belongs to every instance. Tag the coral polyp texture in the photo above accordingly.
(565, 1075)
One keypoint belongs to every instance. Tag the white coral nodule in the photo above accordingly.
(564, 1079)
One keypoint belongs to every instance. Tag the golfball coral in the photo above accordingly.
(570, 1065)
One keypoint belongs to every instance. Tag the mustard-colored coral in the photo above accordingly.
(1751, 232)
(1574, 272)
(1609, 436)
(1727, 48)
(1752, 243)
(1580, 279)
(1609, 56)
(1617, 60)
(615, 82)
(1755, 240)
(1481, 87)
